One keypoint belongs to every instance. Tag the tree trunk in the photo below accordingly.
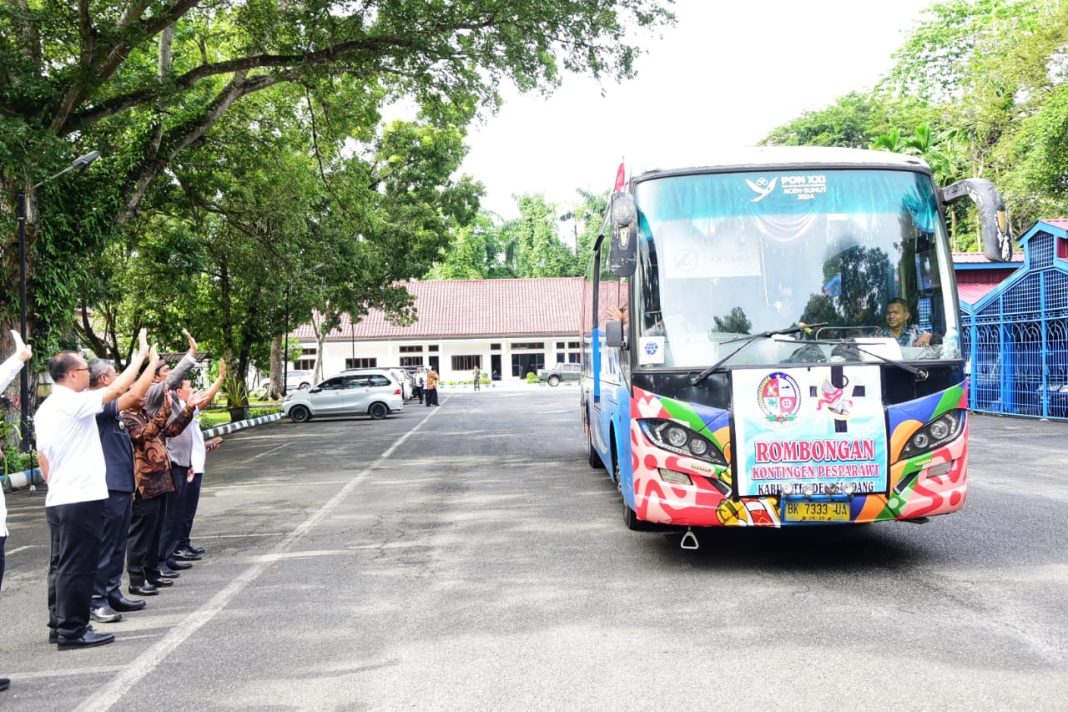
(274, 390)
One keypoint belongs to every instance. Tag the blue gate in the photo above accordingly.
(1016, 337)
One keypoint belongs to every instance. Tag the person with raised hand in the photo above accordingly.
(108, 601)
(72, 460)
(8, 370)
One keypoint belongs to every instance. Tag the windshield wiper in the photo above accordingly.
(746, 340)
(921, 374)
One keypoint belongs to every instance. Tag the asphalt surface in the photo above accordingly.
(466, 557)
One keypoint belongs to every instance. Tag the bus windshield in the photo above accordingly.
(861, 253)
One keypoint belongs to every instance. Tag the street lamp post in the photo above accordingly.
(79, 164)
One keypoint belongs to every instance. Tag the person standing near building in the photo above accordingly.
(108, 602)
(152, 476)
(8, 370)
(72, 460)
(431, 394)
(182, 549)
(477, 376)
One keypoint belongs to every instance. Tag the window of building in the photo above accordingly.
(574, 358)
(466, 363)
(411, 360)
(528, 345)
(559, 344)
(574, 345)
(304, 364)
(495, 347)
(432, 348)
(308, 352)
(411, 349)
(361, 362)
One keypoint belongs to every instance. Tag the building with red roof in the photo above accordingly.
(505, 327)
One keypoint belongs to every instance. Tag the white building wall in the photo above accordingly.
(388, 353)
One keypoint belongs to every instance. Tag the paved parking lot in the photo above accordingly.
(466, 557)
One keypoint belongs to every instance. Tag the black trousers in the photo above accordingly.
(142, 554)
(118, 508)
(172, 515)
(3, 541)
(431, 397)
(418, 393)
(189, 509)
(75, 533)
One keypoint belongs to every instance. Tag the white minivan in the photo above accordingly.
(372, 392)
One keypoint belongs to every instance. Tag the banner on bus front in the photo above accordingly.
(816, 430)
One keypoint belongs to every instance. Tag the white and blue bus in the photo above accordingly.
(774, 340)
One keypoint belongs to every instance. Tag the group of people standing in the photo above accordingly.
(123, 455)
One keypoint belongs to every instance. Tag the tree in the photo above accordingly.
(146, 82)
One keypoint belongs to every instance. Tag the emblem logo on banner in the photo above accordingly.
(779, 397)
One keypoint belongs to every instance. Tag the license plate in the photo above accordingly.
(817, 512)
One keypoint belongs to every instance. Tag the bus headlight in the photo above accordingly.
(938, 432)
(678, 438)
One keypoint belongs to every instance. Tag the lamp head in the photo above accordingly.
(82, 162)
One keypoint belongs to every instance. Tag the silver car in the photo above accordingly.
(372, 392)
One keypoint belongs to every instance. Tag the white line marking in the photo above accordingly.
(268, 452)
(45, 674)
(21, 548)
(148, 661)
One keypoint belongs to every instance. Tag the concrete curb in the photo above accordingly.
(242, 424)
(22, 480)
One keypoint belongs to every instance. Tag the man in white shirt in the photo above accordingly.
(72, 459)
(8, 370)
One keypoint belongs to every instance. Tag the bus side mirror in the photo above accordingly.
(624, 223)
(613, 334)
(993, 219)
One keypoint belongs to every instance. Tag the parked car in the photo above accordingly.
(560, 372)
(398, 374)
(372, 392)
(298, 380)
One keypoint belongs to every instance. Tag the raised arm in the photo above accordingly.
(208, 396)
(129, 399)
(177, 374)
(11, 367)
(123, 381)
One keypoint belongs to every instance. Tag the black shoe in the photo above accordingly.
(145, 589)
(158, 582)
(53, 636)
(104, 614)
(88, 639)
(196, 550)
(121, 603)
(165, 572)
(177, 565)
(4, 683)
(185, 555)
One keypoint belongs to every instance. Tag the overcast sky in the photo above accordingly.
(724, 76)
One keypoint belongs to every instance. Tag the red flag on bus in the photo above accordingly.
(620, 178)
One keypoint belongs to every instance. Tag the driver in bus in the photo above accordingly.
(898, 328)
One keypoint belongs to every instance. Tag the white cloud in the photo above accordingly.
(724, 76)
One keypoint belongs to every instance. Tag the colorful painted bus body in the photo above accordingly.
(741, 366)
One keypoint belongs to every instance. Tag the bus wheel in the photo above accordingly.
(630, 517)
(591, 454)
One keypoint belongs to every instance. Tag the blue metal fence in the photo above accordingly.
(1016, 337)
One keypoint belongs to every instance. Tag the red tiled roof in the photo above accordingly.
(972, 293)
(973, 258)
(476, 308)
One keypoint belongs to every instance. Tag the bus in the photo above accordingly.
(774, 340)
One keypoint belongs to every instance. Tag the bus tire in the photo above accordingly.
(591, 454)
(630, 517)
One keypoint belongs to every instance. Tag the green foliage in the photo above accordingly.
(244, 147)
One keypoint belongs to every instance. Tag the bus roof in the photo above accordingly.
(790, 157)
